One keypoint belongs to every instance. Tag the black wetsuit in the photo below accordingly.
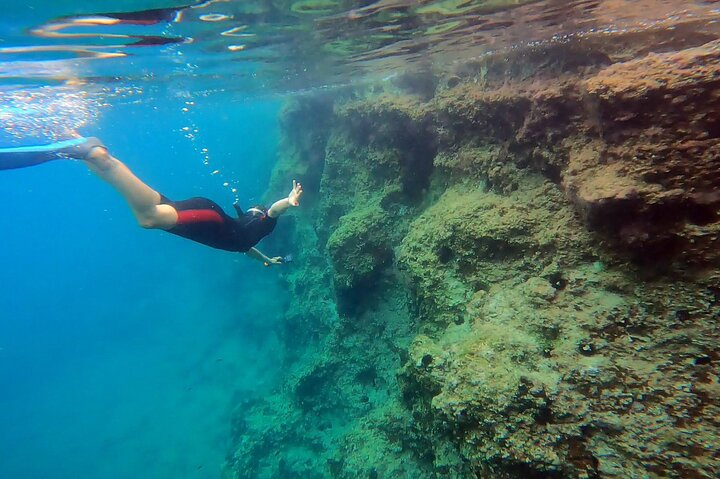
(204, 221)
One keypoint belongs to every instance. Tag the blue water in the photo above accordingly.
(123, 349)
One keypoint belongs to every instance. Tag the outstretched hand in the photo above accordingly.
(293, 199)
(274, 261)
(295, 194)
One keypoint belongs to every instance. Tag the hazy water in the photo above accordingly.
(123, 350)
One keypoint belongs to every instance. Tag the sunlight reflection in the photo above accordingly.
(46, 113)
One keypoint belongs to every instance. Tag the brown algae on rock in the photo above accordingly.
(513, 277)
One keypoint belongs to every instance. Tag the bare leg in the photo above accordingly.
(143, 200)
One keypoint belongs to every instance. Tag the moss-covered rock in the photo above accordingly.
(455, 310)
(471, 239)
(360, 247)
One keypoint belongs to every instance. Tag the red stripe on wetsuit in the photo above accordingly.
(199, 216)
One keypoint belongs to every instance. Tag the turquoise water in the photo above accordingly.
(123, 351)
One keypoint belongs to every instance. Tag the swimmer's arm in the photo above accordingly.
(267, 261)
(293, 199)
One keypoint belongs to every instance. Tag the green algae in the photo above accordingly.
(499, 372)
(345, 47)
(447, 316)
(359, 247)
(442, 28)
(460, 7)
(471, 239)
(314, 7)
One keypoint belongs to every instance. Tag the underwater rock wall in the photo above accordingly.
(515, 277)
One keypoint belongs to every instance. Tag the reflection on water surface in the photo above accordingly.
(287, 45)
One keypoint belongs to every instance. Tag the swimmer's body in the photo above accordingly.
(198, 219)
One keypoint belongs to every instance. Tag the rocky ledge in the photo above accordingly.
(512, 277)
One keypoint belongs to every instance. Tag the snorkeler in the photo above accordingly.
(198, 219)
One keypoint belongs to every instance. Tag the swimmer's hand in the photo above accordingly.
(266, 260)
(295, 194)
(274, 261)
(293, 199)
